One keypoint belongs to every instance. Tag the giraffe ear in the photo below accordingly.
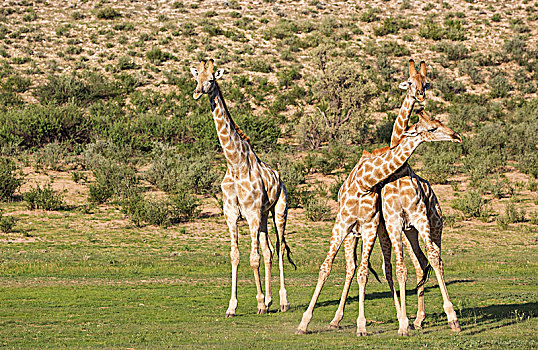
(404, 85)
(219, 73)
(194, 73)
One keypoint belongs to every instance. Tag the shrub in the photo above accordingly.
(439, 162)
(107, 13)
(36, 125)
(470, 68)
(156, 56)
(499, 85)
(61, 89)
(6, 223)
(181, 207)
(454, 52)
(391, 26)
(10, 178)
(343, 94)
(292, 174)
(50, 156)
(43, 198)
(512, 214)
(317, 210)
(471, 204)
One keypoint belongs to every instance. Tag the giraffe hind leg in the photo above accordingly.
(280, 214)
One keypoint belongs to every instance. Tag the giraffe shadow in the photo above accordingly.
(476, 320)
(379, 295)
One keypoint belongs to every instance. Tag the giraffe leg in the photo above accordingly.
(350, 244)
(341, 228)
(386, 249)
(267, 252)
(280, 215)
(254, 223)
(368, 234)
(394, 229)
(231, 213)
(420, 262)
(434, 257)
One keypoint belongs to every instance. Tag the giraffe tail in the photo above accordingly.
(425, 276)
(288, 252)
(373, 272)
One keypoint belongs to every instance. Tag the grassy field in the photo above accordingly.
(78, 281)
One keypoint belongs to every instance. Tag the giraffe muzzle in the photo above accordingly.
(196, 95)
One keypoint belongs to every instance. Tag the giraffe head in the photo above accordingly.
(418, 83)
(431, 130)
(205, 78)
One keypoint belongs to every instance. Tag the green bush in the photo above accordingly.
(471, 204)
(156, 56)
(43, 198)
(499, 85)
(6, 222)
(173, 172)
(164, 212)
(317, 209)
(454, 52)
(391, 26)
(10, 179)
(107, 13)
(292, 174)
(439, 161)
(50, 156)
(343, 96)
(36, 125)
(61, 89)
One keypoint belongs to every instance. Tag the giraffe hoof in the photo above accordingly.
(229, 314)
(300, 331)
(403, 333)
(415, 326)
(361, 334)
(284, 308)
(455, 326)
(334, 326)
(261, 311)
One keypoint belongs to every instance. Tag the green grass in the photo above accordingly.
(96, 281)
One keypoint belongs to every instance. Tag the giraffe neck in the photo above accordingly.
(401, 122)
(378, 168)
(235, 148)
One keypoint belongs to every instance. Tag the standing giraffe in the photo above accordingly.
(415, 85)
(359, 205)
(405, 195)
(250, 188)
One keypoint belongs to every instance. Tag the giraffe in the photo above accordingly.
(251, 189)
(405, 185)
(415, 85)
(359, 205)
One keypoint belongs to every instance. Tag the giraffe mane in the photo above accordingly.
(379, 151)
(240, 132)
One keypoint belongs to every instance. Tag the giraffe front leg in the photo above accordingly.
(340, 230)
(350, 243)
(368, 234)
(231, 213)
(267, 252)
